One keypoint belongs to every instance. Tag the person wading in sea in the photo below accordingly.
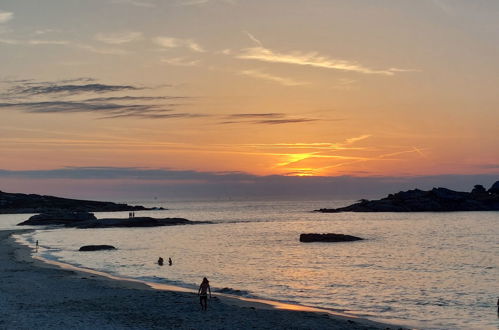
(204, 288)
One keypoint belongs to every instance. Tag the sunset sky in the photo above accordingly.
(99, 93)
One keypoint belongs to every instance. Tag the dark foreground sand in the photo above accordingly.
(34, 295)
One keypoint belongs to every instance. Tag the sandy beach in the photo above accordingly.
(34, 294)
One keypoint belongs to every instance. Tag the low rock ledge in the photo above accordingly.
(330, 237)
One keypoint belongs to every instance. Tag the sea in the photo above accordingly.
(422, 270)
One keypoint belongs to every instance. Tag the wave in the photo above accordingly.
(233, 291)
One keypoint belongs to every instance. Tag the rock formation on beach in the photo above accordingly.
(58, 217)
(13, 203)
(330, 237)
(88, 220)
(132, 222)
(435, 200)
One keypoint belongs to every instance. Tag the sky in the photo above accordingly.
(166, 97)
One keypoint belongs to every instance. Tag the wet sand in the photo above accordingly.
(35, 294)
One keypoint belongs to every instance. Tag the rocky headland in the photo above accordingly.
(435, 200)
(14, 203)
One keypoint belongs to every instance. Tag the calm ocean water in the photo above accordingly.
(427, 270)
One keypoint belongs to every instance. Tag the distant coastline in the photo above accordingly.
(16, 203)
(435, 200)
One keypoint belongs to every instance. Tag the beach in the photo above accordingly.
(34, 294)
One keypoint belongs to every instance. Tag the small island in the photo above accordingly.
(435, 200)
(16, 203)
(85, 220)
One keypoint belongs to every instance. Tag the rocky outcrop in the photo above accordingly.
(60, 217)
(96, 247)
(330, 237)
(435, 200)
(88, 220)
(11, 203)
(132, 222)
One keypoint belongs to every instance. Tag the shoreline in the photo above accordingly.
(117, 302)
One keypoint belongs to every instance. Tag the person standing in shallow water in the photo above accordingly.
(204, 288)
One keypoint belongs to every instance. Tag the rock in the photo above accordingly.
(435, 200)
(11, 203)
(132, 222)
(96, 247)
(331, 237)
(60, 217)
(494, 189)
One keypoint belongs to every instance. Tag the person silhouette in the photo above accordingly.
(160, 261)
(204, 288)
(170, 262)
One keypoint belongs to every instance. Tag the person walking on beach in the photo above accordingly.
(36, 246)
(204, 288)
(160, 261)
(170, 262)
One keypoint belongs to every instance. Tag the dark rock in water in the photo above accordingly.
(132, 222)
(435, 200)
(88, 220)
(96, 247)
(60, 217)
(331, 237)
(11, 203)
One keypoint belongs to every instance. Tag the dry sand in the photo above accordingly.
(36, 295)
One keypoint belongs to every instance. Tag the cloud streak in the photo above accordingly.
(312, 59)
(265, 119)
(6, 16)
(59, 97)
(280, 80)
(49, 88)
(180, 61)
(169, 42)
(118, 38)
(135, 3)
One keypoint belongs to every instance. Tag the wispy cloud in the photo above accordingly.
(357, 138)
(280, 80)
(75, 96)
(55, 88)
(180, 61)
(6, 16)
(101, 50)
(46, 42)
(118, 38)
(265, 119)
(104, 110)
(253, 38)
(137, 3)
(256, 115)
(284, 121)
(204, 2)
(313, 59)
(169, 42)
(33, 42)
